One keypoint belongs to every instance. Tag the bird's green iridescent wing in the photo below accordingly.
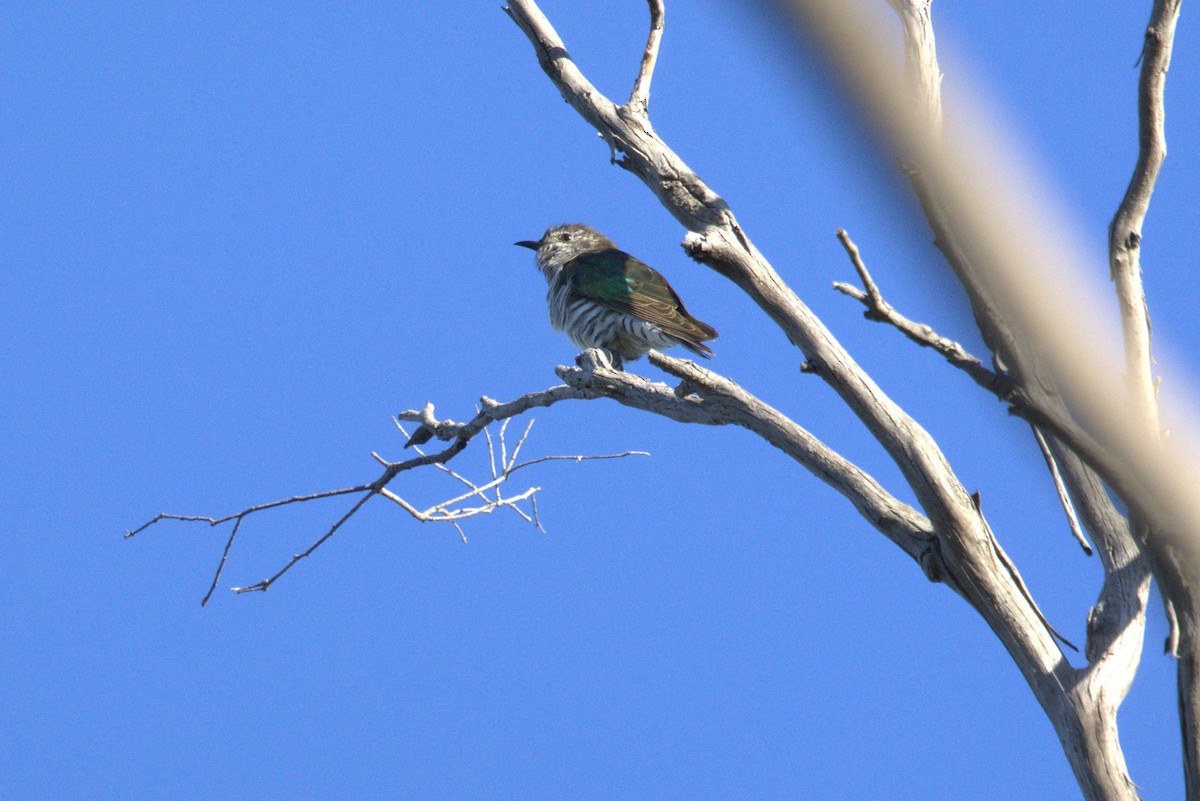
(617, 280)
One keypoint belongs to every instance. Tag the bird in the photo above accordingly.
(602, 297)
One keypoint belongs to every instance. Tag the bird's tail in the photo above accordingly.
(695, 343)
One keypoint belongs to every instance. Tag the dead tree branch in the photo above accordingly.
(879, 310)
(701, 397)
(1060, 487)
(452, 511)
(639, 99)
(705, 397)
(1125, 231)
(716, 239)
(965, 230)
(1176, 580)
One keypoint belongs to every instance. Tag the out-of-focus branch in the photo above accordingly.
(1009, 245)
(920, 56)
(993, 241)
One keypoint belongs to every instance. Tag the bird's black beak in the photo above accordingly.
(527, 244)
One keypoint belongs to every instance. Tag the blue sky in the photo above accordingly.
(235, 240)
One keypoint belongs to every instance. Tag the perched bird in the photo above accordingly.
(604, 298)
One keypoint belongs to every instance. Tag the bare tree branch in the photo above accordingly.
(1021, 402)
(1125, 231)
(265, 584)
(216, 521)
(639, 99)
(880, 310)
(967, 231)
(702, 397)
(221, 564)
(452, 510)
(1125, 239)
(707, 398)
(461, 435)
(728, 402)
(1011, 567)
(716, 239)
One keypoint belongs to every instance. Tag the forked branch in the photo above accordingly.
(715, 238)
(999, 384)
(452, 511)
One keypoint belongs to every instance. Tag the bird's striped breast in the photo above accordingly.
(591, 325)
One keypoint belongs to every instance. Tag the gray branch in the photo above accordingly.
(459, 434)
(879, 310)
(717, 240)
(708, 398)
(1176, 580)
(1125, 231)
(1022, 402)
(702, 397)
(639, 99)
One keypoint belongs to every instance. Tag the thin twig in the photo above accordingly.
(512, 460)
(216, 521)
(503, 445)
(880, 310)
(266, 583)
(491, 452)
(446, 511)
(1063, 497)
(537, 521)
(221, 565)
(1016, 575)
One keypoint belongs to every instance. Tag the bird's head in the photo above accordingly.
(561, 243)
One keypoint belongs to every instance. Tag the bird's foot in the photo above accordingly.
(593, 359)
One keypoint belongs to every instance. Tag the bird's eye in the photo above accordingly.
(565, 236)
